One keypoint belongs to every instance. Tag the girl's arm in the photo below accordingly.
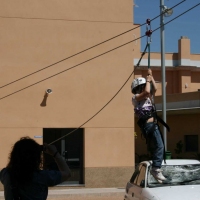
(153, 81)
(146, 91)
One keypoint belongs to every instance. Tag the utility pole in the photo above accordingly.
(162, 37)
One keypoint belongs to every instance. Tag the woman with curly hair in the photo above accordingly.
(23, 177)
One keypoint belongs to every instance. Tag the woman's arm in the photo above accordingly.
(146, 91)
(62, 165)
(154, 85)
(153, 81)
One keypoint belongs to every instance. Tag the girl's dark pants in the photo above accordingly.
(155, 144)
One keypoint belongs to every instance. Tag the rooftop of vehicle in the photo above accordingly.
(176, 162)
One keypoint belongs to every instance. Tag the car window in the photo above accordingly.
(135, 175)
(177, 174)
(139, 175)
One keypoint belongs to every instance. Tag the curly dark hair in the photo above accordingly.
(25, 158)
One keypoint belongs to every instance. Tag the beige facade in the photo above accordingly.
(40, 36)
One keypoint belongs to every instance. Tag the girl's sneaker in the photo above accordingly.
(157, 174)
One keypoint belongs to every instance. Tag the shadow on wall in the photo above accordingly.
(44, 101)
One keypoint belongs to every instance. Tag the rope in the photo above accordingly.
(148, 45)
(98, 111)
(143, 53)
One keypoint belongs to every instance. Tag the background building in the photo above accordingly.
(182, 102)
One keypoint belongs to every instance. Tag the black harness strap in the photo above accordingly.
(143, 120)
(161, 121)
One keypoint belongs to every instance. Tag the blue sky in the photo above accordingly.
(186, 25)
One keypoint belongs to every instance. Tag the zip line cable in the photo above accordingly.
(118, 90)
(82, 51)
(69, 57)
(72, 67)
(94, 57)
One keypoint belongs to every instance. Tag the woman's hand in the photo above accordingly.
(149, 78)
(149, 72)
(50, 149)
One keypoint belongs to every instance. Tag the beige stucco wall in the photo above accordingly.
(109, 156)
(36, 35)
(10, 135)
(109, 145)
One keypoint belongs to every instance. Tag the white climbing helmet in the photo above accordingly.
(136, 82)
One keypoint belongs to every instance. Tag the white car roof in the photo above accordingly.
(176, 162)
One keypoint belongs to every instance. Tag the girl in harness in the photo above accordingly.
(144, 109)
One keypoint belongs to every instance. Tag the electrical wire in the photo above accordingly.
(93, 57)
(70, 57)
(71, 67)
(83, 50)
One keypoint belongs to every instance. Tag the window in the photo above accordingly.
(138, 177)
(141, 176)
(191, 143)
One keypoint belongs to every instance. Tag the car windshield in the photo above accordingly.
(177, 175)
